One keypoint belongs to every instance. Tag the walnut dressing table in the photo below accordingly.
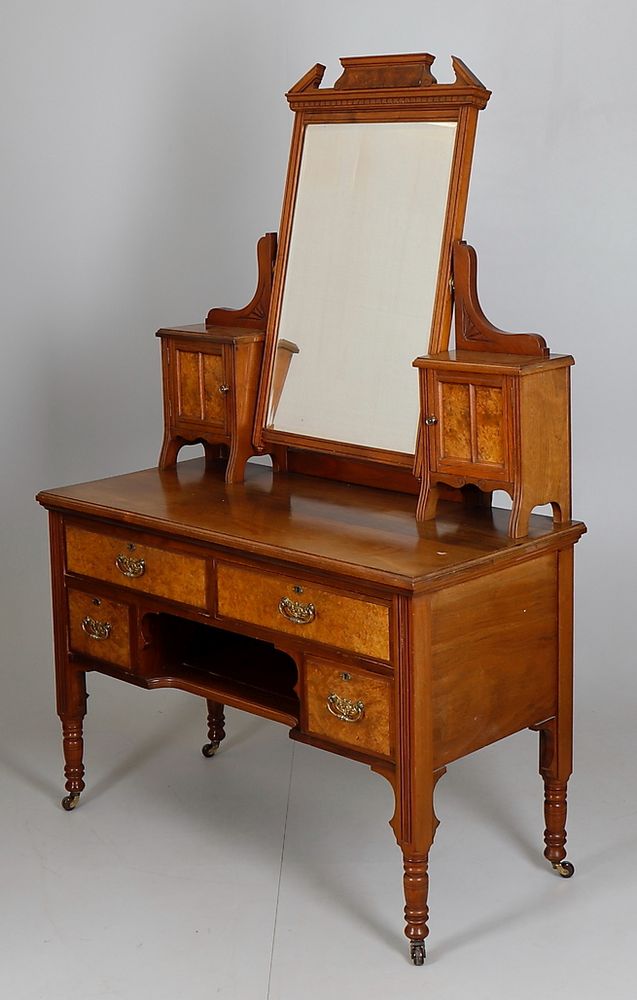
(310, 593)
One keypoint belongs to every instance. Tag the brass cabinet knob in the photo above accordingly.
(430, 421)
(224, 388)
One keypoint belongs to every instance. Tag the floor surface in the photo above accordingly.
(270, 872)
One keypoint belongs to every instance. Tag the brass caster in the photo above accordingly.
(564, 868)
(69, 802)
(417, 952)
(209, 749)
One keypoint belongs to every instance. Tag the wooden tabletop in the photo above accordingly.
(355, 531)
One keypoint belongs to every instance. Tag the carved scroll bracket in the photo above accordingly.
(474, 332)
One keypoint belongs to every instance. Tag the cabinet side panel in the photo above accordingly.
(494, 651)
(546, 437)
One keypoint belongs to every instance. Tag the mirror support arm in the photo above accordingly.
(254, 316)
(474, 332)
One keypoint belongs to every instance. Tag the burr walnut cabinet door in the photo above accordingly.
(298, 607)
(116, 559)
(99, 628)
(201, 386)
(468, 419)
(349, 706)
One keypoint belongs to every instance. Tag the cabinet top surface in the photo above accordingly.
(211, 334)
(355, 531)
(502, 364)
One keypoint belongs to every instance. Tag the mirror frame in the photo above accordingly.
(393, 88)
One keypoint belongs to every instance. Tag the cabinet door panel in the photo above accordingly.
(214, 399)
(200, 376)
(189, 393)
(468, 433)
(455, 421)
(489, 425)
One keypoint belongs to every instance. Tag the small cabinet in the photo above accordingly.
(210, 380)
(496, 421)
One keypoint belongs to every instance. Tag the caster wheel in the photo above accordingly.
(564, 868)
(417, 952)
(209, 749)
(69, 802)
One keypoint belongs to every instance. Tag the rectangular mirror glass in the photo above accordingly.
(360, 281)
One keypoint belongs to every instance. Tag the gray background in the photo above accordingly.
(144, 147)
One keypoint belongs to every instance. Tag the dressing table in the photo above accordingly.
(310, 593)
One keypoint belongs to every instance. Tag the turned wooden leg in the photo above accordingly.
(216, 730)
(555, 785)
(72, 717)
(416, 889)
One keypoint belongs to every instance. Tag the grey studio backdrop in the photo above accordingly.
(144, 148)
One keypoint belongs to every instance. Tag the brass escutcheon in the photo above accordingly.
(130, 567)
(95, 629)
(294, 611)
(344, 709)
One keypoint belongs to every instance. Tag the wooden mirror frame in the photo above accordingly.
(394, 88)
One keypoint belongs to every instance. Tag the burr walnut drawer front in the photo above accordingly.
(164, 573)
(99, 628)
(303, 609)
(350, 706)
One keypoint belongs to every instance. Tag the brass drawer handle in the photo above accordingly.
(294, 611)
(95, 629)
(130, 567)
(344, 709)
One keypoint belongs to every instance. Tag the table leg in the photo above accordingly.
(555, 773)
(556, 735)
(72, 709)
(216, 730)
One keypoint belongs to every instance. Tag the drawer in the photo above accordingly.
(152, 570)
(99, 628)
(349, 706)
(294, 606)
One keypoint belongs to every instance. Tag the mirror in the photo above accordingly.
(361, 279)
(375, 198)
